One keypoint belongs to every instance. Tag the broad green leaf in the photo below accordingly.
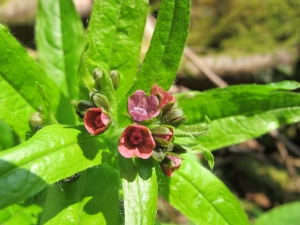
(237, 100)
(201, 196)
(281, 215)
(114, 40)
(236, 129)
(92, 199)
(20, 214)
(140, 190)
(166, 47)
(8, 138)
(53, 153)
(18, 74)
(59, 36)
(239, 113)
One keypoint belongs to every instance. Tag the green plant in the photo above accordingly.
(83, 178)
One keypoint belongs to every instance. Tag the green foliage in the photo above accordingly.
(285, 214)
(241, 112)
(20, 214)
(201, 196)
(83, 173)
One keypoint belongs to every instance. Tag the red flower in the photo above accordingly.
(96, 121)
(169, 164)
(165, 97)
(136, 140)
(142, 108)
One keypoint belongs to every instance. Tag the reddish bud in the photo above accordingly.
(167, 100)
(170, 164)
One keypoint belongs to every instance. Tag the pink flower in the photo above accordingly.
(169, 164)
(96, 121)
(136, 140)
(142, 108)
(165, 97)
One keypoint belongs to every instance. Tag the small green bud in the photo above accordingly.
(97, 75)
(174, 117)
(178, 149)
(158, 154)
(115, 78)
(83, 106)
(101, 101)
(35, 121)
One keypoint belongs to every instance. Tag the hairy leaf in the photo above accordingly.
(92, 199)
(201, 196)
(53, 153)
(18, 74)
(166, 47)
(59, 34)
(285, 214)
(239, 113)
(113, 41)
(140, 190)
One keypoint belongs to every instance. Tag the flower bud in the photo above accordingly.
(174, 117)
(97, 75)
(178, 149)
(100, 100)
(170, 164)
(162, 135)
(115, 78)
(35, 121)
(158, 154)
(83, 106)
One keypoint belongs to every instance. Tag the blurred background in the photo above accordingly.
(230, 42)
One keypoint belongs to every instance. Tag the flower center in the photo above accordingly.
(139, 110)
(136, 137)
(98, 121)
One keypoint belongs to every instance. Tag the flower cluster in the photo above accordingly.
(151, 133)
(96, 112)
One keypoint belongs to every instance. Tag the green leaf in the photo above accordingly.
(236, 129)
(109, 91)
(201, 196)
(237, 100)
(285, 214)
(92, 199)
(20, 214)
(8, 138)
(163, 57)
(195, 130)
(140, 190)
(114, 39)
(47, 114)
(239, 113)
(209, 157)
(18, 74)
(59, 36)
(53, 153)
